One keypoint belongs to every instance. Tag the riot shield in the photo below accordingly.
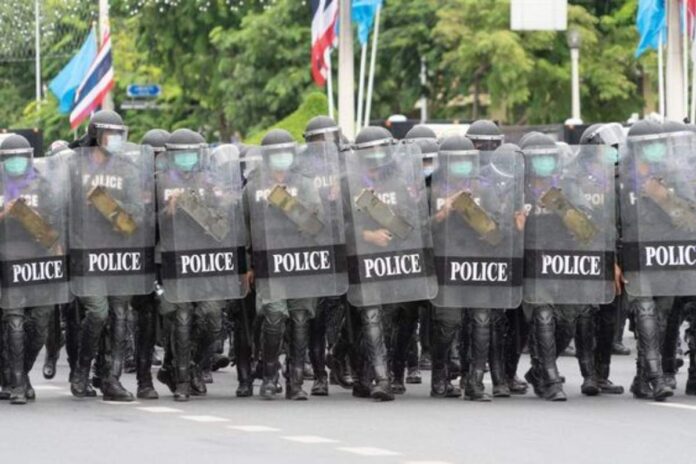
(389, 243)
(570, 229)
(658, 214)
(478, 229)
(297, 230)
(112, 221)
(201, 227)
(34, 227)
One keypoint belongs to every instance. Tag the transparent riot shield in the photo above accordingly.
(201, 227)
(297, 230)
(570, 229)
(112, 221)
(477, 216)
(389, 243)
(33, 247)
(658, 214)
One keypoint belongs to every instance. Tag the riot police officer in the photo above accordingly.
(112, 243)
(32, 250)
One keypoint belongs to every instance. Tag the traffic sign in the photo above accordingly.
(144, 91)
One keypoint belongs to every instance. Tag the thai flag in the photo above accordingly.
(96, 84)
(324, 16)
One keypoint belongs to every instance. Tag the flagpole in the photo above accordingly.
(685, 58)
(329, 85)
(37, 46)
(660, 77)
(346, 75)
(361, 86)
(108, 103)
(692, 115)
(373, 60)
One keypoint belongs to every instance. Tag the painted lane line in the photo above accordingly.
(427, 462)
(120, 403)
(368, 451)
(209, 419)
(675, 405)
(48, 388)
(309, 439)
(253, 428)
(159, 409)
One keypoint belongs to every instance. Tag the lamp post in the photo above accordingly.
(574, 42)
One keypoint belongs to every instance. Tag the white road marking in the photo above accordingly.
(47, 387)
(159, 409)
(427, 462)
(120, 403)
(253, 428)
(676, 405)
(205, 418)
(309, 439)
(368, 451)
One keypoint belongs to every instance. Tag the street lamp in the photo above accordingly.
(574, 42)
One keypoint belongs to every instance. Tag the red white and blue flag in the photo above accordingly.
(324, 17)
(96, 85)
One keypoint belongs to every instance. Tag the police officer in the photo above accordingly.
(194, 318)
(272, 229)
(595, 328)
(487, 136)
(102, 164)
(330, 310)
(646, 152)
(29, 191)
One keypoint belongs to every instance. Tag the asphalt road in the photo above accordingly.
(340, 429)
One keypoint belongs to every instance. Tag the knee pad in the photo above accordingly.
(273, 321)
(300, 317)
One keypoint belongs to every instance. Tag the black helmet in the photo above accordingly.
(322, 128)
(102, 125)
(372, 136)
(157, 139)
(524, 138)
(277, 137)
(485, 134)
(16, 154)
(426, 139)
(459, 155)
(644, 128)
(673, 126)
(589, 135)
(184, 148)
(603, 134)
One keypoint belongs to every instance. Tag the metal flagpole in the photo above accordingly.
(373, 60)
(346, 76)
(685, 58)
(37, 45)
(329, 86)
(361, 84)
(103, 23)
(660, 77)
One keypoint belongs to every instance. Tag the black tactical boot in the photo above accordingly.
(182, 392)
(584, 341)
(441, 340)
(272, 328)
(497, 355)
(640, 387)
(691, 381)
(551, 387)
(317, 355)
(112, 390)
(661, 390)
(338, 360)
(480, 344)
(242, 349)
(413, 375)
(475, 390)
(15, 358)
(371, 318)
(606, 385)
(398, 385)
(146, 390)
(198, 386)
(299, 341)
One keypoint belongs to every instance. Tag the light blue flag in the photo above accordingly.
(363, 13)
(65, 84)
(650, 22)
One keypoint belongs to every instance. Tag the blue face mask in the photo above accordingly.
(543, 165)
(186, 161)
(281, 161)
(654, 153)
(461, 168)
(114, 142)
(16, 165)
